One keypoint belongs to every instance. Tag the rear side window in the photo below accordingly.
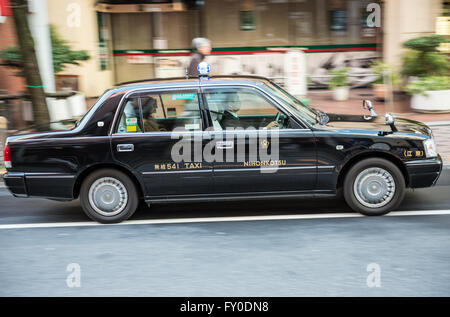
(130, 120)
(161, 111)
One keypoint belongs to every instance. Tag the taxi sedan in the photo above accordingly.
(223, 138)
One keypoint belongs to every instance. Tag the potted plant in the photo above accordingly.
(428, 71)
(339, 84)
(379, 86)
(430, 94)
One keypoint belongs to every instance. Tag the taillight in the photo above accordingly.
(7, 156)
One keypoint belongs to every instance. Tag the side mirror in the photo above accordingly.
(367, 104)
(390, 121)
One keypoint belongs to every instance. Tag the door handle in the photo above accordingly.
(224, 144)
(125, 147)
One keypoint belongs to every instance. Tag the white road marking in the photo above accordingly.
(218, 219)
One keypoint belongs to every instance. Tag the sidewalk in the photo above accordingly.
(442, 138)
(439, 123)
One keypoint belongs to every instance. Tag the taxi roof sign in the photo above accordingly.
(203, 69)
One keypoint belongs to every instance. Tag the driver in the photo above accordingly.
(230, 118)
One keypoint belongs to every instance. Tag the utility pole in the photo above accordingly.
(30, 64)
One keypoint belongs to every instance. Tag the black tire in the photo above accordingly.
(128, 185)
(349, 190)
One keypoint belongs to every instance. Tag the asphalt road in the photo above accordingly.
(204, 254)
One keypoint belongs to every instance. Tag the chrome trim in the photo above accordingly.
(158, 133)
(177, 171)
(48, 175)
(125, 147)
(221, 170)
(331, 167)
(423, 162)
(264, 167)
(14, 174)
(56, 176)
(200, 85)
(245, 196)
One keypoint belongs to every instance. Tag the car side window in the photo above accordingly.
(165, 111)
(171, 110)
(243, 108)
(130, 120)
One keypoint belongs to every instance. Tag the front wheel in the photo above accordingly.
(374, 187)
(108, 196)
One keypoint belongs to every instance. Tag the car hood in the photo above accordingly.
(376, 123)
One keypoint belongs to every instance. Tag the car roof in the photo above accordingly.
(182, 81)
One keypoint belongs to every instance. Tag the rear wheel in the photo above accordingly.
(374, 187)
(108, 196)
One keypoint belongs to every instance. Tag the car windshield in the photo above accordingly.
(295, 105)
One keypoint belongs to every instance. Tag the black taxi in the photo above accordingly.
(235, 137)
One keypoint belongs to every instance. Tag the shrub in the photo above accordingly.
(420, 85)
(339, 78)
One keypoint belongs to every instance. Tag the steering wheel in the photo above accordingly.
(277, 117)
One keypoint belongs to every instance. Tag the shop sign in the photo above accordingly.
(139, 59)
(295, 72)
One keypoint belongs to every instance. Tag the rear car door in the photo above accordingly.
(257, 156)
(149, 126)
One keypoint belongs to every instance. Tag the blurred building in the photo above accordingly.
(130, 40)
(9, 83)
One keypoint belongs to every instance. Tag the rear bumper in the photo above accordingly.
(424, 173)
(45, 185)
(15, 182)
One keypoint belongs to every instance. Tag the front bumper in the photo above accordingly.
(15, 182)
(424, 173)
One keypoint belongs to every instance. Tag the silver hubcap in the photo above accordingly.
(108, 196)
(374, 187)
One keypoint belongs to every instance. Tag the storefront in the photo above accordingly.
(152, 39)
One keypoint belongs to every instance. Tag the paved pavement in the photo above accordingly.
(442, 138)
(333, 256)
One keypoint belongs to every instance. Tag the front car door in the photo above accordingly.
(265, 150)
(151, 124)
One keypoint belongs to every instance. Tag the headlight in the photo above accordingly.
(430, 148)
